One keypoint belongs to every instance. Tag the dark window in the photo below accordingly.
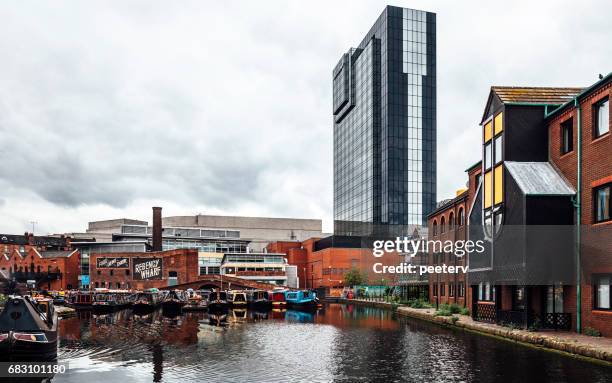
(451, 222)
(601, 118)
(461, 217)
(602, 203)
(451, 289)
(460, 290)
(435, 290)
(127, 272)
(435, 227)
(487, 156)
(112, 272)
(601, 291)
(567, 136)
(442, 225)
(442, 289)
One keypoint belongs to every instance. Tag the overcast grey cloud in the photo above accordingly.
(225, 107)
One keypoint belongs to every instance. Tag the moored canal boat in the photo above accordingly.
(147, 300)
(28, 327)
(197, 300)
(174, 300)
(277, 297)
(302, 299)
(105, 300)
(258, 299)
(80, 300)
(237, 298)
(217, 300)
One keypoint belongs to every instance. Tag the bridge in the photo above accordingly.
(215, 281)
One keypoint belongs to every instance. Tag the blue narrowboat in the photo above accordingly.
(302, 299)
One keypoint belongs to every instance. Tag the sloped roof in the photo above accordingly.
(57, 254)
(539, 178)
(535, 95)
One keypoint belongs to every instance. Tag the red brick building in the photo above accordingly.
(49, 261)
(323, 263)
(546, 164)
(582, 128)
(144, 270)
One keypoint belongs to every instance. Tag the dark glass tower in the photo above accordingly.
(384, 108)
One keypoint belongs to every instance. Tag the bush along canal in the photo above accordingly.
(339, 342)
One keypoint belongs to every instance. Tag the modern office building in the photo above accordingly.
(384, 111)
(209, 233)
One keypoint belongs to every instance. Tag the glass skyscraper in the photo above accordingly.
(384, 110)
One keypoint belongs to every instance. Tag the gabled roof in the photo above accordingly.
(57, 254)
(535, 95)
(529, 95)
(539, 178)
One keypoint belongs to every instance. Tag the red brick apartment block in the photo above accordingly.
(449, 223)
(596, 169)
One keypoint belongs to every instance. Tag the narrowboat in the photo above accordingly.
(258, 299)
(237, 298)
(174, 300)
(302, 299)
(146, 300)
(105, 300)
(277, 297)
(80, 300)
(196, 300)
(217, 300)
(28, 327)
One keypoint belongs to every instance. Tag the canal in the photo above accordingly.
(338, 343)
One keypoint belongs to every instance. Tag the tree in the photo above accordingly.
(354, 277)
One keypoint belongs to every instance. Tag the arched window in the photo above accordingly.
(451, 222)
(442, 223)
(461, 217)
(434, 228)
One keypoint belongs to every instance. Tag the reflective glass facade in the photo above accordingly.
(384, 107)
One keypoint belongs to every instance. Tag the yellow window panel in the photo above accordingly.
(488, 133)
(499, 123)
(499, 184)
(487, 189)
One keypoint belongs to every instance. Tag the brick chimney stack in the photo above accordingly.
(157, 229)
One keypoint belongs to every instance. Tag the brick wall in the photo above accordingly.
(182, 261)
(596, 250)
(449, 214)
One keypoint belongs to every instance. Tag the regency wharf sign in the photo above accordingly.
(147, 268)
(113, 263)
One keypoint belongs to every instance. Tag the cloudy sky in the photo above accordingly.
(108, 108)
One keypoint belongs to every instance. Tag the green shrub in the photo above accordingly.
(464, 311)
(454, 319)
(591, 331)
(455, 308)
(442, 312)
(535, 326)
(418, 304)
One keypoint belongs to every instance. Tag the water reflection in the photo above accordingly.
(337, 343)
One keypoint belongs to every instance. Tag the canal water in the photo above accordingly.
(342, 343)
